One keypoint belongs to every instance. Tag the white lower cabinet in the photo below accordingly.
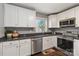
(45, 43)
(54, 41)
(16, 48)
(0, 49)
(11, 48)
(49, 42)
(25, 47)
(76, 47)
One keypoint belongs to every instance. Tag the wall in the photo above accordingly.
(73, 29)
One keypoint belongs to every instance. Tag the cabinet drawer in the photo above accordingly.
(25, 40)
(11, 44)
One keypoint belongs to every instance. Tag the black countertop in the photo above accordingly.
(33, 35)
(27, 36)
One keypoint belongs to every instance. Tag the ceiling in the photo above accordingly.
(47, 8)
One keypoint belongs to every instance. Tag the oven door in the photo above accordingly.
(65, 44)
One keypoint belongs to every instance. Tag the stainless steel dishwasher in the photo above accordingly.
(36, 45)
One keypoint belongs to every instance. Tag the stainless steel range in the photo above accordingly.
(65, 42)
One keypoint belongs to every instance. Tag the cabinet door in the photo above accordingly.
(47, 42)
(53, 22)
(58, 20)
(0, 49)
(61, 16)
(76, 47)
(11, 48)
(69, 13)
(26, 17)
(77, 16)
(25, 47)
(50, 42)
(54, 41)
(32, 18)
(66, 14)
(23, 17)
(10, 16)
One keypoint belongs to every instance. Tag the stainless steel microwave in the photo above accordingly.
(67, 22)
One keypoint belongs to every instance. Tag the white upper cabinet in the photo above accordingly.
(74, 12)
(32, 19)
(69, 13)
(66, 14)
(77, 16)
(61, 16)
(53, 21)
(23, 17)
(18, 17)
(26, 17)
(10, 15)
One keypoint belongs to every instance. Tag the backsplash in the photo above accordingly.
(72, 29)
(21, 30)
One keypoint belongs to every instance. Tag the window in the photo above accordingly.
(41, 24)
